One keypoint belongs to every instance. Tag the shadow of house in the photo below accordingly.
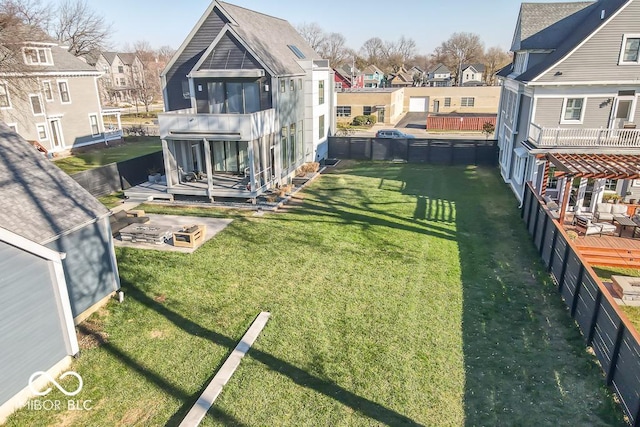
(44, 211)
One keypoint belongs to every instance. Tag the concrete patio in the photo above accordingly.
(176, 222)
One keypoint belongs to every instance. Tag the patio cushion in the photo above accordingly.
(604, 207)
(619, 209)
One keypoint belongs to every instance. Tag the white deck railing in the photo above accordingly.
(110, 135)
(583, 137)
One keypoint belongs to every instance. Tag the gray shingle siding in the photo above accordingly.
(229, 54)
(31, 331)
(201, 40)
(597, 59)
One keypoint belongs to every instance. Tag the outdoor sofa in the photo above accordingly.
(606, 211)
(121, 219)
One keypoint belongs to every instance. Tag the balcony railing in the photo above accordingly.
(243, 127)
(583, 137)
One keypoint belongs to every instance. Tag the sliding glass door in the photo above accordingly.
(230, 156)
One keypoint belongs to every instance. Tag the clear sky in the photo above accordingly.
(428, 22)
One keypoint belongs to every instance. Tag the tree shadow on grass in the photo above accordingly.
(301, 377)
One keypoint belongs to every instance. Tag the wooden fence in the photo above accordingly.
(435, 151)
(119, 176)
(604, 326)
(458, 122)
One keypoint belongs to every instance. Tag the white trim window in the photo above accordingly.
(343, 110)
(63, 87)
(36, 105)
(447, 102)
(5, 100)
(630, 52)
(467, 101)
(41, 130)
(573, 110)
(519, 164)
(37, 56)
(93, 122)
(320, 92)
(47, 90)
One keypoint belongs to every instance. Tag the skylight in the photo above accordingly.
(296, 51)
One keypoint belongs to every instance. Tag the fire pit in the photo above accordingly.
(627, 287)
(145, 233)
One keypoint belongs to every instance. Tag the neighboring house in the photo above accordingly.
(346, 79)
(246, 99)
(401, 79)
(57, 265)
(439, 76)
(53, 100)
(386, 104)
(570, 99)
(373, 76)
(419, 75)
(473, 74)
(123, 75)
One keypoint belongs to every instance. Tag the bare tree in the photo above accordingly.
(165, 53)
(494, 59)
(373, 50)
(80, 28)
(459, 49)
(32, 13)
(333, 48)
(313, 34)
(147, 83)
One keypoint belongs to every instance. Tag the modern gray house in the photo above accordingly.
(57, 265)
(247, 101)
(570, 101)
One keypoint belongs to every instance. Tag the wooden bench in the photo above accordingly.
(189, 236)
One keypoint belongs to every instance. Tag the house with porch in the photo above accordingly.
(123, 75)
(569, 112)
(51, 97)
(472, 74)
(247, 101)
(373, 76)
(440, 76)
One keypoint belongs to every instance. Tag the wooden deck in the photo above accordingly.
(611, 251)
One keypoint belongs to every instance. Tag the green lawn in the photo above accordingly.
(133, 147)
(400, 294)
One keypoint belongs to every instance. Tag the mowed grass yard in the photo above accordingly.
(100, 156)
(400, 294)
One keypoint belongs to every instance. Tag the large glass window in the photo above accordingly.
(251, 97)
(216, 97)
(573, 109)
(631, 49)
(234, 98)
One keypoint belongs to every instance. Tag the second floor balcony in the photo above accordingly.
(544, 137)
(187, 124)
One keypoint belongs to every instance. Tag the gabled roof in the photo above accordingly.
(478, 67)
(39, 201)
(545, 25)
(110, 56)
(441, 69)
(65, 61)
(372, 69)
(127, 58)
(343, 73)
(269, 38)
(582, 26)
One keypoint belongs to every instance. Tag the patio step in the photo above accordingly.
(611, 257)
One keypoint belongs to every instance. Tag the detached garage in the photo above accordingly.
(419, 104)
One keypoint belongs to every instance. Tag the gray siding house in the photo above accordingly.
(57, 265)
(247, 101)
(573, 88)
(52, 100)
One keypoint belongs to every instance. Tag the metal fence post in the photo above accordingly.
(565, 261)
(594, 316)
(576, 293)
(544, 234)
(535, 224)
(616, 352)
(553, 249)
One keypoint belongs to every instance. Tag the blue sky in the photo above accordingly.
(428, 22)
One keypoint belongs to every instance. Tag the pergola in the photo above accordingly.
(602, 166)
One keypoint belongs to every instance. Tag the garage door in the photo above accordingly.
(418, 104)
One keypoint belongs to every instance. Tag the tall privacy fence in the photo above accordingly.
(436, 151)
(119, 176)
(605, 328)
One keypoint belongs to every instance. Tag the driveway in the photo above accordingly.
(413, 121)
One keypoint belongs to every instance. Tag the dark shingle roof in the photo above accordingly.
(545, 25)
(441, 69)
(39, 201)
(110, 56)
(65, 61)
(269, 38)
(580, 30)
(127, 58)
(477, 66)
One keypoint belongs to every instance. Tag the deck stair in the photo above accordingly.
(611, 257)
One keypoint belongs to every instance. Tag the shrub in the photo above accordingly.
(359, 120)
(372, 119)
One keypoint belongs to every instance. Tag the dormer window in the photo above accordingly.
(520, 63)
(38, 56)
(630, 49)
